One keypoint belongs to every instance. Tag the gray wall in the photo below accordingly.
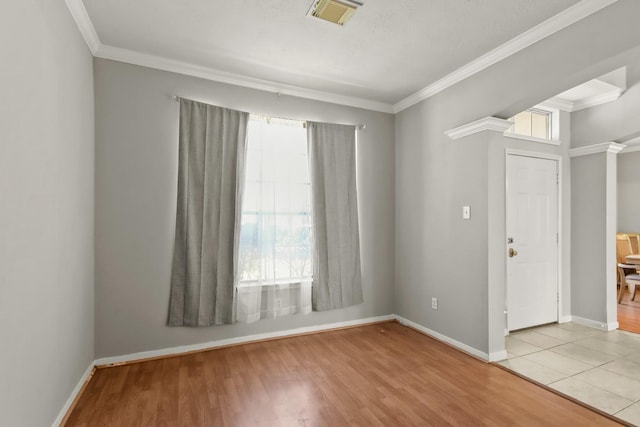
(435, 249)
(617, 121)
(588, 231)
(136, 169)
(437, 253)
(46, 213)
(614, 121)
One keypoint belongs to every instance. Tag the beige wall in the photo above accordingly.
(136, 170)
(46, 210)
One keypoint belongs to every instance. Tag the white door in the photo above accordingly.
(532, 241)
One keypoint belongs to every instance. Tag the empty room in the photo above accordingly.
(319, 212)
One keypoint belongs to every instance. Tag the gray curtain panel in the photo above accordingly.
(212, 151)
(337, 280)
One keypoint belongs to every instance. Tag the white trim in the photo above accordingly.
(632, 145)
(613, 326)
(562, 318)
(565, 319)
(88, 31)
(256, 283)
(555, 119)
(171, 351)
(528, 153)
(533, 139)
(603, 147)
(461, 346)
(611, 228)
(552, 25)
(498, 356)
(570, 106)
(73, 395)
(631, 149)
(594, 323)
(556, 103)
(487, 123)
(603, 98)
(188, 69)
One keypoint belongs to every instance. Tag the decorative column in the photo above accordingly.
(593, 234)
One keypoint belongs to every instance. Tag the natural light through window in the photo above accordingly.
(534, 123)
(275, 238)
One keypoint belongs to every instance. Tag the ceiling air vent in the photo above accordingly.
(334, 11)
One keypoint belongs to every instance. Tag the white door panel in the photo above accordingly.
(532, 223)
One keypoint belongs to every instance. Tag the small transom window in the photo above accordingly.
(533, 122)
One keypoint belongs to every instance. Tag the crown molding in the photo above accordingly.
(597, 100)
(88, 31)
(487, 123)
(99, 50)
(556, 103)
(592, 101)
(552, 25)
(632, 145)
(603, 147)
(559, 103)
(181, 67)
(631, 148)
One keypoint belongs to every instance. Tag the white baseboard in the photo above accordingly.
(464, 347)
(565, 319)
(171, 351)
(72, 397)
(492, 357)
(594, 323)
(498, 356)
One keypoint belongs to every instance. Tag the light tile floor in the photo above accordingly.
(599, 368)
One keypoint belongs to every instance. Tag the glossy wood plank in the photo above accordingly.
(629, 313)
(376, 375)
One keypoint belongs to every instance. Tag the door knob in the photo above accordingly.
(512, 252)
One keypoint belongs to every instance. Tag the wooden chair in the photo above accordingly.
(634, 238)
(627, 274)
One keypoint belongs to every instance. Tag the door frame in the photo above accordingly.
(558, 159)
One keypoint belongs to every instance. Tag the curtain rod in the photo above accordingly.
(178, 98)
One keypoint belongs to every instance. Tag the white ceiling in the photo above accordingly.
(588, 90)
(388, 51)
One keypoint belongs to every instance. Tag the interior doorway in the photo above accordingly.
(628, 184)
(532, 214)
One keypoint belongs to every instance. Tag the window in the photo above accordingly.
(275, 235)
(533, 122)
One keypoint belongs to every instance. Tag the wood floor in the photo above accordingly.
(629, 313)
(376, 375)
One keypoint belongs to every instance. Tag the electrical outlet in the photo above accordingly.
(434, 303)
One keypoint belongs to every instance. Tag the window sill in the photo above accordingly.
(302, 281)
(533, 139)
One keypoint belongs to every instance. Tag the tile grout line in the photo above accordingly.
(599, 365)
